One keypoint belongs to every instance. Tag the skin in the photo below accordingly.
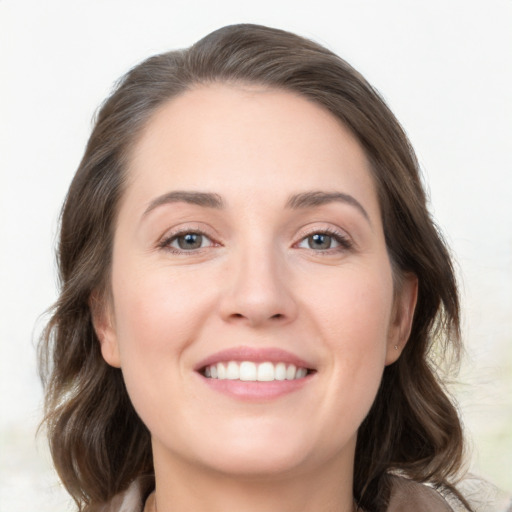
(258, 282)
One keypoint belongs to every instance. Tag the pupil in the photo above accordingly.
(190, 241)
(319, 241)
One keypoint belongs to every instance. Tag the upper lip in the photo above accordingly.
(257, 355)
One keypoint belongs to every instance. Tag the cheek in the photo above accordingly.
(353, 317)
(157, 319)
(354, 307)
(156, 312)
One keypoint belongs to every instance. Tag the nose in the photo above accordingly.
(258, 290)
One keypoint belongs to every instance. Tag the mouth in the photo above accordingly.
(261, 374)
(250, 371)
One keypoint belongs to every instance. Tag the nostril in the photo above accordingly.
(277, 316)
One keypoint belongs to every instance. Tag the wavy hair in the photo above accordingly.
(98, 443)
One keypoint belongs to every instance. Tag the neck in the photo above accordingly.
(180, 488)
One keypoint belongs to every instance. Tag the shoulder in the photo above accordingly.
(482, 496)
(407, 495)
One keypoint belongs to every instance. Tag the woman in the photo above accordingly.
(252, 292)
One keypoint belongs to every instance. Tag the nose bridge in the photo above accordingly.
(257, 290)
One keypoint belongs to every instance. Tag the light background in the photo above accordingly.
(445, 68)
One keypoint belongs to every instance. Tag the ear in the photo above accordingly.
(104, 326)
(402, 317)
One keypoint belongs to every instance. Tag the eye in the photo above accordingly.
(186, 242)
(323, 241)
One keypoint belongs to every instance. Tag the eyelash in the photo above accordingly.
(166, 242)
(345, 243)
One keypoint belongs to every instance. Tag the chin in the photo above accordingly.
(259, 455)
(260, 465)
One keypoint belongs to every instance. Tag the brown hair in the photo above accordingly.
(98, 443)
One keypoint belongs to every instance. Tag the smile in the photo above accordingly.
(255, 374)
(249, 371)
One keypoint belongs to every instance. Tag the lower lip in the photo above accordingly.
(256, 391)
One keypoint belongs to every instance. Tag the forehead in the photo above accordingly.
(246, 140)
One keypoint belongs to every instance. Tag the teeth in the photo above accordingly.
(252, 372)
(291, 372)
(266, 372)
(233, 371)
(248, 371)
(280, 371)
(301, 373)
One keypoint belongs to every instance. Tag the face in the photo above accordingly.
(252, 309)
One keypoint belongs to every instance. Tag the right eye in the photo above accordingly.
(186, 242)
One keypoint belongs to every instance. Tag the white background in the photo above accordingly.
(445, 68)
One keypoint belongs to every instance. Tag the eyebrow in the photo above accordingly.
(204, 199)
(319, 198)
(295, 202)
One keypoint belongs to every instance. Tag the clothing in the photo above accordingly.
(409, 496)
(406, 496)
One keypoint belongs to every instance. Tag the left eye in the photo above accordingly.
(189, 241)
(320, 241)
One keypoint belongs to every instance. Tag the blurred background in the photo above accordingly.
(443, 66)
